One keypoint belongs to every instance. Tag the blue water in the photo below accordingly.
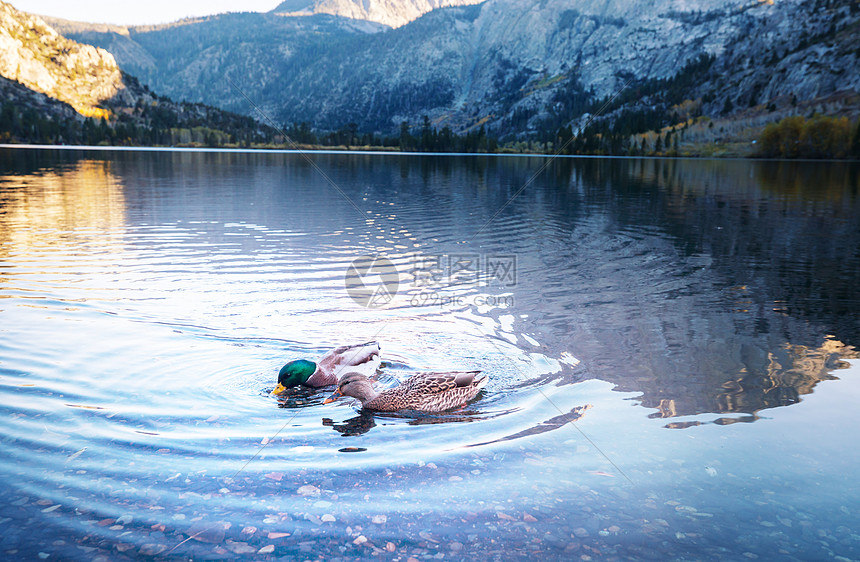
(630, 313)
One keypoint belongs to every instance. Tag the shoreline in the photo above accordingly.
(389, 151)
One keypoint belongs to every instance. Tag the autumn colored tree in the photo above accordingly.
(818, 137)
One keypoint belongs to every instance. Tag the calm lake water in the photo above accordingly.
(670, 347)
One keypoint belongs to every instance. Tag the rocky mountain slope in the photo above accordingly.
(56, 90)
(36, 56)
(521, 69)
(516, 65)
(197, 59)
(393, 13)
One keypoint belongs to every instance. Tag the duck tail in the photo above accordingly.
(363, 353)
(468, 378)
(480, 380)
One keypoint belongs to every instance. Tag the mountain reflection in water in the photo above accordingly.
(706, 286)
(702, 285)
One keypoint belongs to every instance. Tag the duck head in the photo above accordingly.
(294, 373)
(355, 385)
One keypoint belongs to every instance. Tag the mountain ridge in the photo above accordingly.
(393, 13)
(521, 70)
(508, 65)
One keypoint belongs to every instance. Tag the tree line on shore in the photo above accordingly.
(796, 136)
(201, 126)
(143, 125)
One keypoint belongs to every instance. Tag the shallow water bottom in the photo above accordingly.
(586, 490)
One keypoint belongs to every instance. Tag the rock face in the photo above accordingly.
(36, 56)
(27, 99)
(515, 67)
(204, 60)
(393, 13)
(509, 63)
(56, 90)
(113, 38)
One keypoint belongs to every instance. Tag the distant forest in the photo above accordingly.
(616, 129)
(200, 126)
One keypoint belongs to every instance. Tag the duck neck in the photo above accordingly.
(321, 378)
(364, 392)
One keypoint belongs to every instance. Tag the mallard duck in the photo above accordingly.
(428, 392)
(325, 371)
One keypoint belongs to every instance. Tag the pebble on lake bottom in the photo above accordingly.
(308, 490)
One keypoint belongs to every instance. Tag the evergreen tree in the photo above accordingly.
(427, 135)
(406, 139)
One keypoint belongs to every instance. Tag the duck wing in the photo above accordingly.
(442, 381)
(349, 356)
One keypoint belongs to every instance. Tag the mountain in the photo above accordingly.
(522, 69)
(36, 56)
(534, 71)
(56, 90)
(393, 13)
(206, 59)
(514, 65)
(115, 39)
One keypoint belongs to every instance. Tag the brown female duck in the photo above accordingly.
(428, 392)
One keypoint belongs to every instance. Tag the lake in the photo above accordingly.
(670, 345)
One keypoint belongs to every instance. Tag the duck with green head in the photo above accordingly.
(324, 372)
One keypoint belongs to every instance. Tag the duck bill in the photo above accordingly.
(334, 396)
(280, 389)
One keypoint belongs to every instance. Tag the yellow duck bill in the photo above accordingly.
(280, 389)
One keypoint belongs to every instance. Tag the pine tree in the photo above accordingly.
(405, 137)
(427, 135)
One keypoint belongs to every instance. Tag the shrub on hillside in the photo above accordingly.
(798, 137)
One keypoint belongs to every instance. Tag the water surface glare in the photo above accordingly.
(629, 312)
